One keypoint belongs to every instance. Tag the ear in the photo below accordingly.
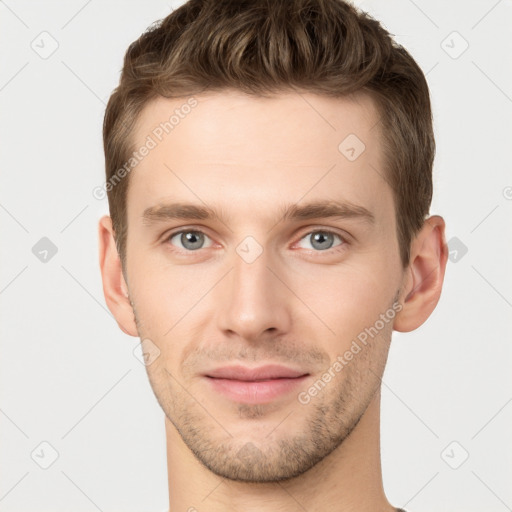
(115, 288)
(424, 276)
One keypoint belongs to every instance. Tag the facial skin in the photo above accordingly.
(213, 300)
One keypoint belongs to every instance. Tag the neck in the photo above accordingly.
(347, 480)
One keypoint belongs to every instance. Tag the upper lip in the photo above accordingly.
(271, 371)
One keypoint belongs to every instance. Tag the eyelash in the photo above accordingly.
(337, 248)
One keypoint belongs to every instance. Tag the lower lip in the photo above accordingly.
(255, 392)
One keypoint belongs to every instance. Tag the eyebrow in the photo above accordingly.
(313, 210)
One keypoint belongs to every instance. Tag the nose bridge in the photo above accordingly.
(252, 300)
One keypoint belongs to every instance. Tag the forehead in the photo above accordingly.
(249, 151)
(286, 117)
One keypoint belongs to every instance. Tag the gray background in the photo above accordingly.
(70, 378)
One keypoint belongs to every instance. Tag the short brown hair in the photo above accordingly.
(262, 47)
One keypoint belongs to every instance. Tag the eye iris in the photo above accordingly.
(321, 238)
(192, 240)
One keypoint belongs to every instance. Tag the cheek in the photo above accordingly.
(351, 298)
(348, 297)
(169, 299)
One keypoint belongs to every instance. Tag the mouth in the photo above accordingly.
(254, 385)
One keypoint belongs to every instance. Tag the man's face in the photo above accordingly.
(255, 287)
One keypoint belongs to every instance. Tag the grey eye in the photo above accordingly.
(189, 240)
(321, 240)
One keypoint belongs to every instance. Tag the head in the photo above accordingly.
(278, 215)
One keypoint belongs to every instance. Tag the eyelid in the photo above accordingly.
(325, 229)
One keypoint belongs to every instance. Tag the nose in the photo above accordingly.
(253, 301)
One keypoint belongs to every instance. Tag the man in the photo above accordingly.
(269, 176)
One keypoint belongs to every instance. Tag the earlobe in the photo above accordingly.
(115, 288)
(424, 276)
